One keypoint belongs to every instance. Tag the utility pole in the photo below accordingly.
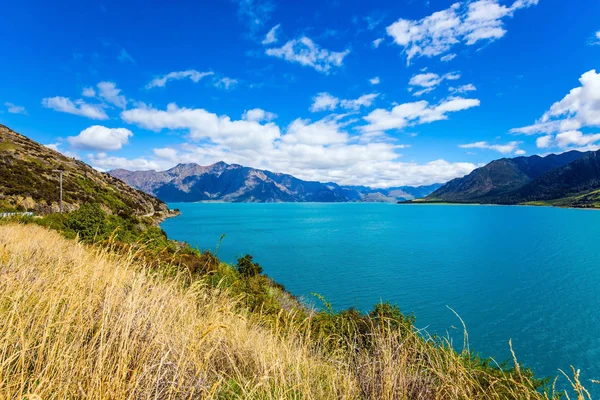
(61, 191)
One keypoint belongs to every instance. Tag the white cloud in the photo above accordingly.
(374, 81)
(576, 138)
(305, 52)
(410, 114)
(578, 109)
(77, 107)
(320, 150)
(108, 92)
(192, 74)
(366, 100)
(511, 147)
(226, 83)
(201, 124)
(88, 92)
(595, 40)
(467, 22)
(15, 109)
(326, 102)
(377, 42)
(99, 137)
(448, 57)
(271, 36)
(103, 162)
(544, 142)
(258, 115)
(53, 146)
(429, 81)
(463, 89)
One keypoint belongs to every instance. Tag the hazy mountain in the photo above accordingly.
(500, 177)
(236, 183)
(29, 181)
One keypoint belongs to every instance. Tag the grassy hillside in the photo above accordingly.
(29, 182)
(101, 322)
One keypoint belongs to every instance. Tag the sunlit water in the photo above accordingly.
(530, 274)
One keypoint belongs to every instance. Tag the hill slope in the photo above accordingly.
(30, 183)
(91, 323)
(575, 184)
(500, 177)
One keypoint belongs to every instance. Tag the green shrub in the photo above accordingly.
(89, 221)
(246, 267)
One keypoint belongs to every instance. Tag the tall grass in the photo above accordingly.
(86, 322)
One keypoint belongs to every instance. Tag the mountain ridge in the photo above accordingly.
(220, 181)
(556, 179)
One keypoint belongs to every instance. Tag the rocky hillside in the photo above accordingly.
(570, 179)
(29, 182)
(236, 183)
(500, 177)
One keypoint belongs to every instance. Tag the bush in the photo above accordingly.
(246, 267)
(89, 221)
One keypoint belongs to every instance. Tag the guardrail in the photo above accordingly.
(15, 214)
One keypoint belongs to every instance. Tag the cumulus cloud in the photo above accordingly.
(77, 107)
(429, 81)
(258, 115)
(570, 140)
(468, 23)
(108, 92)
(192, 74)
(326, 102)
(271, 36)
(103, 162)
(374, 81)
(410, 114)
(201, 124)
(88, 92)
(580, 108)
(98, 137)
(313, 150)
(366, 100)
(15, 109)
(307, 53)
(511, 147)
(595, 40)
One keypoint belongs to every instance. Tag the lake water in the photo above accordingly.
(527, 273)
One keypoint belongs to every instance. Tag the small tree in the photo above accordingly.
(89, 221)
(247, 267)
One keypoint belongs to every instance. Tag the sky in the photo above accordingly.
(380, 93)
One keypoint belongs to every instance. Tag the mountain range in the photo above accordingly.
(236, 183)
(30, 182)
(567, 179)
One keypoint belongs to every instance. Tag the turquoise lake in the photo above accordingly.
(530, 274)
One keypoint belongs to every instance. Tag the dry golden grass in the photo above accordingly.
(81, 322)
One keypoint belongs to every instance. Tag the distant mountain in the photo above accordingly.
(393, 194)
(236, 183)
(500, 177)
(29, 182)
(568, 179)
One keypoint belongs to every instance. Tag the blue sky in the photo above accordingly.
(378, 93)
